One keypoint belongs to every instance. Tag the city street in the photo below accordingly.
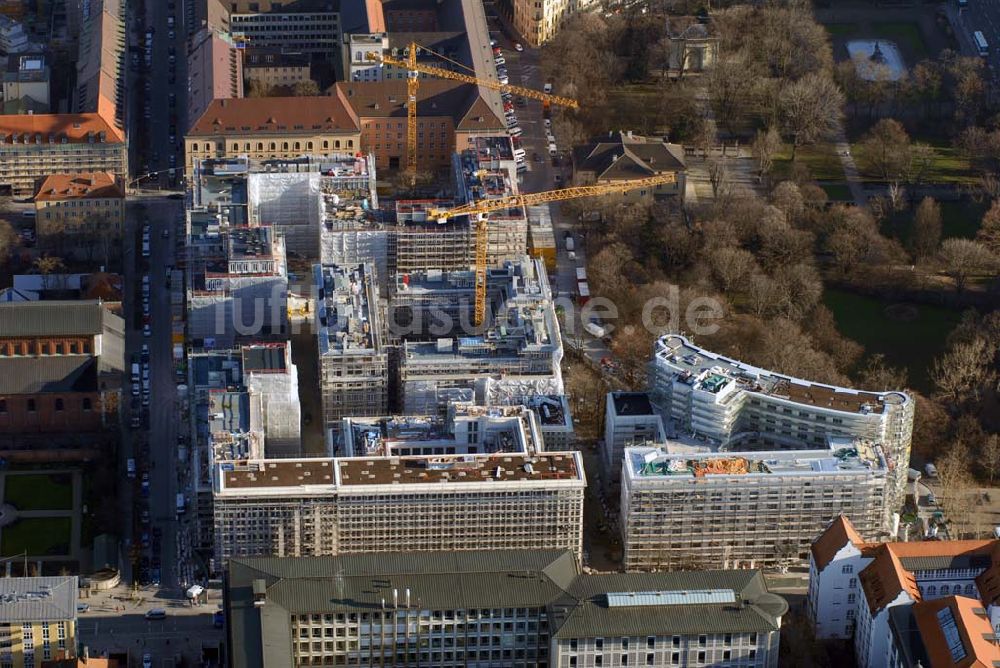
(525, 70)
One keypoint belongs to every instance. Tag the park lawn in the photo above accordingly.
(38, 536)
(948, 167)
(821, 159)
(842, 29)
(906, 34)
(41, 491)
(837, 192)
(911, 344)
(635, 106)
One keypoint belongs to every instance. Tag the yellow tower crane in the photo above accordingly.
(415, 69)
(482, 208)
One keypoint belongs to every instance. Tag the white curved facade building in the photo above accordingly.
(731, 405)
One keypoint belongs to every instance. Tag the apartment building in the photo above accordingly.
(26, 84)
(325, 506)
(270, 128)
(307, 26)
(37, 620)
(623, 156)
(351, 337)
(739, 509)
(538, 21)
(524, 608)
(722, 402)
(61, 365)
(214, 69)
(100, 70)
(906, 604)
(32, 146)
(71, 205)
(629, 420)
(519, 341)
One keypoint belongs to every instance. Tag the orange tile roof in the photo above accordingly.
(89, 185)
(74, 127)
(972, 625)
(837, 535)
(885, 578)
(933, 548)
(276, 115)
(376, 19)
(988, 581)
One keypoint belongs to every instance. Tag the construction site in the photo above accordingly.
(746, 509)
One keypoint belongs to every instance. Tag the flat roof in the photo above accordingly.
(656, 463)
(632, 403)
(38, 599)
(475, 469)
(710, 372)
(280, 473)
(348, 323)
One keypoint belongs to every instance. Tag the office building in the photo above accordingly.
(307, 26)
(26, 84)
(269, 128)
(214, 70)
(550, 407)
(13, 38)
(351, 337)
(37, 620)
(519, 340)
(276, 67)
(79, 205)
(324, 506)
(921, 603)
(525, 609)
(724, 403)
(740, 509)
(32, 146)
(629, 420)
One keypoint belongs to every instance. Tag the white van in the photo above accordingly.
(552, 149)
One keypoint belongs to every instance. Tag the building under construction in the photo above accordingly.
(519, 340)
(745, 509)
(353, 356)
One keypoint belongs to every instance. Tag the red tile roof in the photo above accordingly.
(75, 128)
(885, 578)
(837, 535)
(973, 628)
(88, 185)
(276, 115)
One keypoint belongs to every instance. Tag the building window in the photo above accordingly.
(650, 659)
(260, 146)
(3, 406)
(944, 590)
(702, 640)
(31, 405)
(853, 583)
(273, 145)
(701, 656)
(194, 146)
(851, 597)
(599, 644)
(86, 403)
(847, 570)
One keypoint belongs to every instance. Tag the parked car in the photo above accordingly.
(518, 47)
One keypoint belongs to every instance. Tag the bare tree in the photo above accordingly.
(878, 375)
(989, 230)
(731, 266)
(765, 145)
(961, 374)
(887, 153)
(8, 240)
(991, 456)
(306, 88)
(926, 229)
(46, 265)
(718, 176)
(787, 196)
(964, 258)
(811, 109)
(954, 475)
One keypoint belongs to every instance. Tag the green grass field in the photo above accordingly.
(821, 159)
(961, 218)
(39, 491)
(842, 29)
(909, 343)
(634, 106)
(837, 192)
(906, 34)
(39, 536)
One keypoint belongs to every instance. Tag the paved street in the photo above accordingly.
(116, 622)
(982, 15)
